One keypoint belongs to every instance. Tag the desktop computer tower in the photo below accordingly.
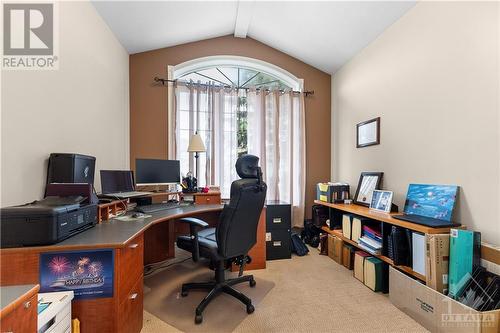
(70, 168)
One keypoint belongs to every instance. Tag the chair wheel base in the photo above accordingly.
(198, 319)
(250, 308)
(252, 283)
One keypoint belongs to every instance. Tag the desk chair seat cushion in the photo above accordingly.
(206, 241)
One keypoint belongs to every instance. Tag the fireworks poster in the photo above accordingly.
(89, 274)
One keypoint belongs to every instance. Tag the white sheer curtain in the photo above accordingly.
(276, 133)
(210, 111)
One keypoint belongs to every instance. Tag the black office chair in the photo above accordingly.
(235, 235)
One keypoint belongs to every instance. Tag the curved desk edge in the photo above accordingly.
(114, 233)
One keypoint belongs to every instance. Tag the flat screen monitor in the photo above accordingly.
(435, 201)
(157, 172)
(116, 181)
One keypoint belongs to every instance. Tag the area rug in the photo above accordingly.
(162, 298)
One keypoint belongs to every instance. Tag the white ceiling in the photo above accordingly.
(323, 34)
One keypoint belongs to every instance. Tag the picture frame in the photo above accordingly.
(368, 182)
(381, 201)
(368, 133)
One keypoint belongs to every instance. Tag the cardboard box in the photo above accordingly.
(437, 261)
(435, 311)
(335, 245)
(348, 256)
(330, 246)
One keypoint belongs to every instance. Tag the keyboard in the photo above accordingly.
(424, 220)
(148, 209)
(125, 195)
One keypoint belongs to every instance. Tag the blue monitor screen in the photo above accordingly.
(436, 201)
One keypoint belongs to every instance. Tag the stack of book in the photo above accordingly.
(371, 240)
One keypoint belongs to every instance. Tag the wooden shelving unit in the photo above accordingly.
(408, 270)
(337, 210)
(383, 217)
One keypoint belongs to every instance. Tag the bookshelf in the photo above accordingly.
(408, 270)
(337, 210)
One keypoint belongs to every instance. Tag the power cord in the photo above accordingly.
(151, 268)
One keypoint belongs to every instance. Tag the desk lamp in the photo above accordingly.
(196, 146)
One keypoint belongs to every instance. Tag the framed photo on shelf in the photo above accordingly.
(368, 133)
(368, 182)
(381, 201)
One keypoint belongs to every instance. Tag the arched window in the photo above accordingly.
(236, 71)
(239, 105)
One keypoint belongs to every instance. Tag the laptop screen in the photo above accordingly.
(115, 181)
(436, 201)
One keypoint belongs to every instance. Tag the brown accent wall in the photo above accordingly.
(148, 103)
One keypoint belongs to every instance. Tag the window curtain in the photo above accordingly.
(210, 111)
(276, 133)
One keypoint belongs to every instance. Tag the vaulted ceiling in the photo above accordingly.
(322, 34)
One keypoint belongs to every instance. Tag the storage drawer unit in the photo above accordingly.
(278, 230)
(279, 247)
(210, 198)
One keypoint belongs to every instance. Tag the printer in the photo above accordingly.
(45, 221)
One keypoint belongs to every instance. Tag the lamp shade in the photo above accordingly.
(196, 144)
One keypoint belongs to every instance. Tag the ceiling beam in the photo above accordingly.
(243, 18)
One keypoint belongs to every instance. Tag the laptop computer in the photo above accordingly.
(119, 184)
(430, 205)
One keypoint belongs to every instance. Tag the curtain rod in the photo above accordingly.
(163, 81)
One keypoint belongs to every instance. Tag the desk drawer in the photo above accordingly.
(207, 199)
(130, 266)
(21, 319)
(278, 217)
(130, 310)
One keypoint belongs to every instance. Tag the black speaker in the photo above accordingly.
(70, 168)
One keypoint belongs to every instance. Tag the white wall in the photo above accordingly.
(83, 107)
(433, 78)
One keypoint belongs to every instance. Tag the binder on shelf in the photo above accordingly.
(465, 253)
(346, 225)
(418, 252)
(375, 274)
(400, 246)
(357, 227)
(359, 262)
(348, 256)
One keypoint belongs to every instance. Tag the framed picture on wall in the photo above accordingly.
(368, 182)
(368, 133)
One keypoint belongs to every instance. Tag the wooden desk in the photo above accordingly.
(18, 308)
(122, 312)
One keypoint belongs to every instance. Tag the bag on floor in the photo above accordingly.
(310, 234)
(298, 246)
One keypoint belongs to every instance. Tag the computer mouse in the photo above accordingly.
(137, 215)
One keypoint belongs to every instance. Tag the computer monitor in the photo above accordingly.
(435, 201)
(157, 172)
(116, 181)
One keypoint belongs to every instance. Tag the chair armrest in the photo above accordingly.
(194, 221)
(193, 224)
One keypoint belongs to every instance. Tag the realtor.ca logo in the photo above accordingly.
(29, 36)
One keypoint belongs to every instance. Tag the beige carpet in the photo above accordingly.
(313, 294)
(162, 299)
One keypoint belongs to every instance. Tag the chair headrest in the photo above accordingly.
(247, 166)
